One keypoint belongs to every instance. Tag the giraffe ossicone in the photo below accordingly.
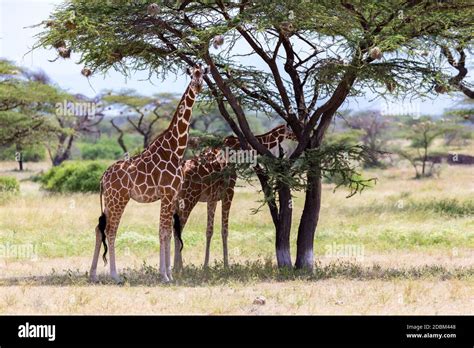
(155, 174)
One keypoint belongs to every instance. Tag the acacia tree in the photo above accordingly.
(206, 118)
(33, 110)
(312, 55)
(422, 132)
(26, 104)
(142, 113)
(373, 127)
(456, 58)
(76, 116)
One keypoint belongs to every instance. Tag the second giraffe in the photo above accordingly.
(205, 180)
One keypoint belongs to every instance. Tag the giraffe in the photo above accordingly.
(154, 174)
(205, 180)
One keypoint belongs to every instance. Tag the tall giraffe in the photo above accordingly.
(154, 174)
(205, 180)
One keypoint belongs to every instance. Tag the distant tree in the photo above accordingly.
(142, 114)
(373, 127)
(26, 106)
(207, 119)
(461, 121)
(76, 116)
(463, 112)
(422, 132)
(34, 111)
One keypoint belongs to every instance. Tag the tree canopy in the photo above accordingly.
(24, 101)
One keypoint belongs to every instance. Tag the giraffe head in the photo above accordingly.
(289, 134)
(197, 77)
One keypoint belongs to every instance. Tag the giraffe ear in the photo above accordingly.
(206, 70)
(188, 70)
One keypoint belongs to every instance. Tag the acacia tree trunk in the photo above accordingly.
(120, 138)
(64, 151)
(308, 223)
(281, 216)
(425, 159)
(19, 155)
(283, 227)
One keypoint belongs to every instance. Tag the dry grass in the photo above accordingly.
(330, 296)
(408, 250)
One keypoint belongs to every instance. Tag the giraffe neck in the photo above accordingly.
(272, 138)
(269, 139)
(175, 137)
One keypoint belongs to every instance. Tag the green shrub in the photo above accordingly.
(74, 177)
(450, 207)
(30, 153)
(9, 184)
(105, 148)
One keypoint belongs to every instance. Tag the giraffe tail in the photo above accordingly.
(101, 226)
(177, 228)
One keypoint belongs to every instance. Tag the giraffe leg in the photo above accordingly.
(111, 233)
(211, 210)
(226, 203)
(168, 258)
(95, 259)
(166, 214)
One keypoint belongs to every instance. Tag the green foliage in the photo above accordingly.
(8, 68)
(339, 180)
(26, 104)
(346, 137)
(422, 132)
(341, 162)
(30, 153)
(449, 207)
(9, 185)
(335, 163)
(105, 148)
(394, 27)
(74, 177)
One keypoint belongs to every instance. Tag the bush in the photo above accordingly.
(105, 148)
(30, 153)
(74, 177)
(9, 185)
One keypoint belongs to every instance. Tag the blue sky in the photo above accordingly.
(16, 40)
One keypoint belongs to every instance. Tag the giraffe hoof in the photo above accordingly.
(165, 279)
(93, 279)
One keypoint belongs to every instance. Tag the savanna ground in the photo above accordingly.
(403, 247)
